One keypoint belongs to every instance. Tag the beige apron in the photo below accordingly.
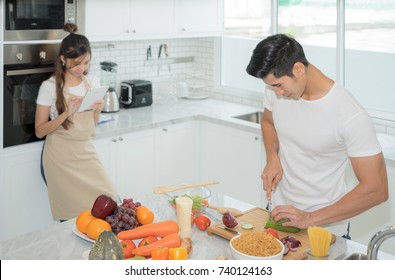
(74, 173)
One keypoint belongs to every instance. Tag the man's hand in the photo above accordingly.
(295, 217)
(271, 175)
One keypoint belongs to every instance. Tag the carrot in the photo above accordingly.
(160, 229)
(170, 241)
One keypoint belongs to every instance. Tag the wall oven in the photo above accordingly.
(25, 68)
(38, 19)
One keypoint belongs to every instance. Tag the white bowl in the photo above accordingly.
(241, 256)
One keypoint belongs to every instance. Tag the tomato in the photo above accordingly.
(144, 215)
(127, 247)
(161, 253)
(147, 240)
(178, 253)
(272, 232)
(202, 222)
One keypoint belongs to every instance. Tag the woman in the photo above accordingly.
(73, 172)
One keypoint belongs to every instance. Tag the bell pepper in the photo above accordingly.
(178, 253)
(161, 253)
(279, 226)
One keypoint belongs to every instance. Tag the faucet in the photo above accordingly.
(377, 240)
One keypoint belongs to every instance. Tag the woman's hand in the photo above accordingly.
(98, 105)
(73, 105)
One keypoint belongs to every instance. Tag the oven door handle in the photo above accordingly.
(10, 73)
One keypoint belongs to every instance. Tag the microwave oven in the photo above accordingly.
(39, 20)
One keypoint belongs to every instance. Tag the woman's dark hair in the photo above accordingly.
(276, 54)
(73, 46)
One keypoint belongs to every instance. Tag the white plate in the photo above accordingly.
(81, 235)
(85, 254)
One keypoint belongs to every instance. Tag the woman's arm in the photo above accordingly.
(43, 126)
(97, 108)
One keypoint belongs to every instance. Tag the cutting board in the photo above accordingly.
(257, 217)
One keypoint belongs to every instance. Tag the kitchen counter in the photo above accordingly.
(165, 111)
(168, 110)
(58, 242)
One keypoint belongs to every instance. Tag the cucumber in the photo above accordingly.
(247, 226)
(278, 226)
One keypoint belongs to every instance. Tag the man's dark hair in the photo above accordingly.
(276, 54)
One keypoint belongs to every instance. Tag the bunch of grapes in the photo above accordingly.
(124, 217)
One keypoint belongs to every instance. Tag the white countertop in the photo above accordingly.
(59, 242)
(165, 111)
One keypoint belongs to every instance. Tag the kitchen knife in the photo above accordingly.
(269, 203)
(230, 230)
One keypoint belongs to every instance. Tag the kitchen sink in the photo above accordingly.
(254, 117)
(356, 257)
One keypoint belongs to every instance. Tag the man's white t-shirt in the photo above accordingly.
(316, 139)
(47, 93)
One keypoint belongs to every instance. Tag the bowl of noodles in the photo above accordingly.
(256, 246)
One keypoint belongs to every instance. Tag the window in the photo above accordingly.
(369, 44)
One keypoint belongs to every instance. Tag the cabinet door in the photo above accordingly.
(105, 20)
(178, 154)
(24, 199)
(136, 163)
(233, 157)
(152, 17)
(105, 149)
(200, 16)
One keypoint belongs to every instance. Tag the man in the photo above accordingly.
(312, 127)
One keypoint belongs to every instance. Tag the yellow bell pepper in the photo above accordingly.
(178, 253)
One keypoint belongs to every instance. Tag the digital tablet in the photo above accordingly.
(92, 95)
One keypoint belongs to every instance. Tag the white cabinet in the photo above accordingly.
(130, 161)
(178, 154)
(139, 161)
(200, 16)
(104, 19)
(151, 19)
(235, 158)
(24, 199)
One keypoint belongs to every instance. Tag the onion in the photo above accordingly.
(228, 220)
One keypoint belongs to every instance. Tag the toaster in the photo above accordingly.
(135, 93)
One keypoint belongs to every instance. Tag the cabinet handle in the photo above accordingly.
(114, 140)
(165, 129)
(257, 138)
(183, 29)
(120, 138)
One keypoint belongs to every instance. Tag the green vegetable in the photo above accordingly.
(106, 247)
(279, 226)
(198, 202)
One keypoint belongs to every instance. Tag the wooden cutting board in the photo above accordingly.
(257, 217)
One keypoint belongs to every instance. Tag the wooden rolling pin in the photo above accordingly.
(166, 189)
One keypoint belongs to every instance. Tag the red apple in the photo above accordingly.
(103, 206)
